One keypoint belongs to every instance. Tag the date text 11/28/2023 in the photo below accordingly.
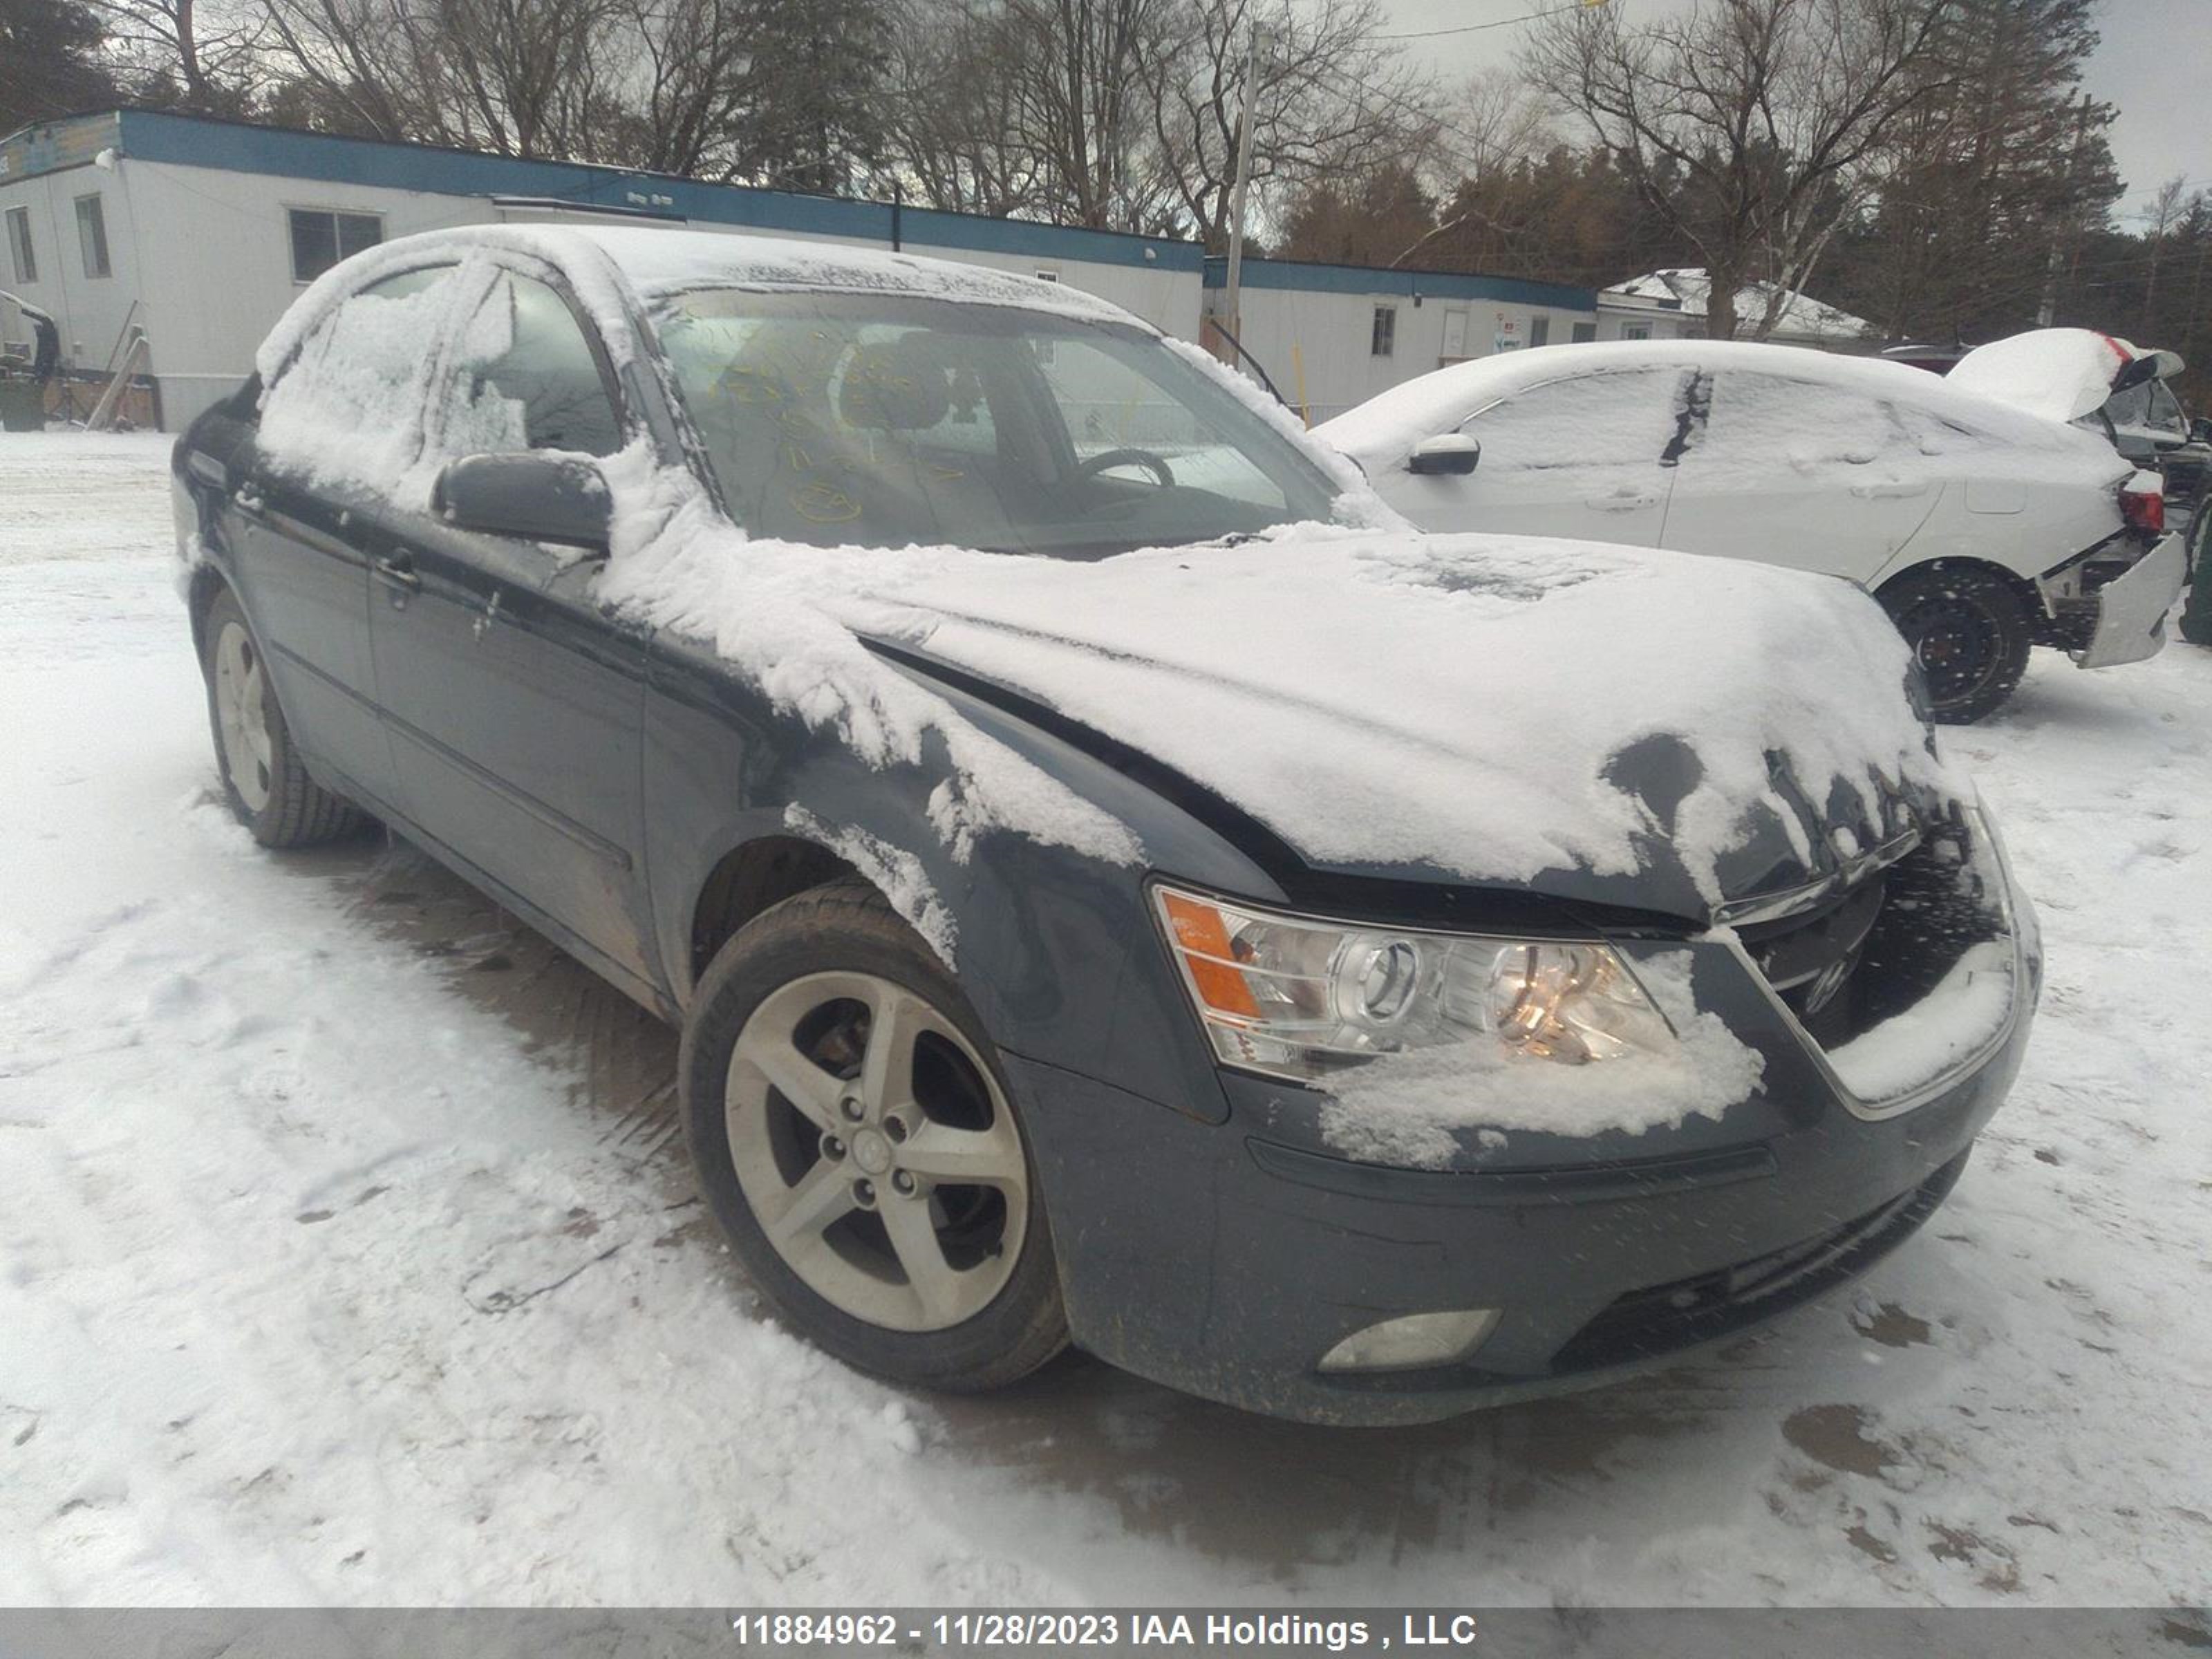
(1269, 1632)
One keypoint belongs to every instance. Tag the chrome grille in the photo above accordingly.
(1862, 954)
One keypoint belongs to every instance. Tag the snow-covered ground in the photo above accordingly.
(344, 1256)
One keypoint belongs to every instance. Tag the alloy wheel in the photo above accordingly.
(242, 716)
(877, 1151)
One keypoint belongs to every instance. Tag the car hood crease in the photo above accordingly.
(1603, 724)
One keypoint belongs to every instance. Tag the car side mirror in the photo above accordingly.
(1448, 453)
(535, 495)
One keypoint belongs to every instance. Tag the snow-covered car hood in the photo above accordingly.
(2059, 373)
(1598, 723)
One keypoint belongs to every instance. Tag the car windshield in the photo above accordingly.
(888, 421)
(2147, 403)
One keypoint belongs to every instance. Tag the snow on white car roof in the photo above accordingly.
(1381, 431)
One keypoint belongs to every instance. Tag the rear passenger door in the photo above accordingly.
(1800, 472)
(1586, 456)
(513, 701)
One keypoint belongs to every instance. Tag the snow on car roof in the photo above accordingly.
(665, 260)
(1381, 431)
(601, 262)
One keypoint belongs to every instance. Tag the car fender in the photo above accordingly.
(1038, 934)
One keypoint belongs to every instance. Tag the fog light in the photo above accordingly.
(1413, 1342)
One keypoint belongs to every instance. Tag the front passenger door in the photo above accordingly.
(512, 701)
(1586, 456)
(338, 425)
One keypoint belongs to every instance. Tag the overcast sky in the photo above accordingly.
(2155, 63)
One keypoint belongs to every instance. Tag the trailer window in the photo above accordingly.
(322, 237)
(19, 244)
(92, 235)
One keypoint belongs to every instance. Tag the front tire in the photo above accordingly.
(851, 1131)
(1969, 633)
(263, 778)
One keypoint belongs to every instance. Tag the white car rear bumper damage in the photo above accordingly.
(2131, 610)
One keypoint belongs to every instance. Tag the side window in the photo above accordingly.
(1785, 426)
(92, 236)
(24, 257)
(1382, 340)
(320, 238)
(524, 377)
(1618, 419)
(1106, 404)
(348, 408)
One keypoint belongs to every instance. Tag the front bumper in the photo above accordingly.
(1226, 1258)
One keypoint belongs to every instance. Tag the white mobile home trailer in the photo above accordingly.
(1330, 336)
(198, 234)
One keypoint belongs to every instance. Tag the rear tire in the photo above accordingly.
(263, 778)
(1969, 631)
(880, 1194)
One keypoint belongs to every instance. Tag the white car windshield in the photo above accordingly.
(2146, 405)
(887, 420)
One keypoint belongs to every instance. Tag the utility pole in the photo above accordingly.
(1243, 187)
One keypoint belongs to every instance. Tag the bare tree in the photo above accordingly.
(2165, 212)
(1751, 127)
(349, 61)
(203, 55)
(690, 83)
(1333, 102)
(1496, 120)
(955, 112)
(779, 91)
(1079, 73)
(1033, 104)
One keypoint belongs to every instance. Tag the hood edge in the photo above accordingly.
(1410, 901)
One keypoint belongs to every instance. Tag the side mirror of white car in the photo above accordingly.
(1447, 453)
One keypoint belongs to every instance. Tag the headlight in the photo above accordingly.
(1303, 997)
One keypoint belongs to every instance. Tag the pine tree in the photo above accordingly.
(49, 61)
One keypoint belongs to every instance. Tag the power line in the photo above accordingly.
(1501, 23)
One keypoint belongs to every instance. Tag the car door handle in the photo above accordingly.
(1889, 489)
(1627, 501)
(399, 573)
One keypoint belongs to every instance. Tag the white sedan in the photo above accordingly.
(1982, 528)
